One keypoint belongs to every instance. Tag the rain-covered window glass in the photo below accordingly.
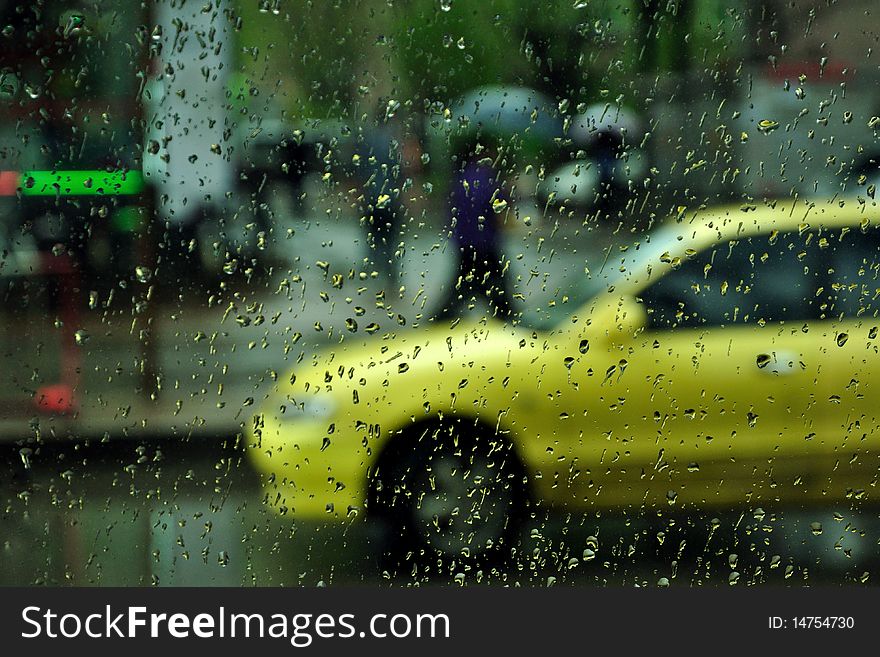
(439, 291)
(781, 277)
(764, 279)
(853, 274)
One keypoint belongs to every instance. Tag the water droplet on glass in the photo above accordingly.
(8, 86)
(270, 6)
(143, 274)
(73, 24)
(767, 125)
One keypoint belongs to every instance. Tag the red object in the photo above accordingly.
(59, 397)
(9, 182)
(56, 398)
(832, 72)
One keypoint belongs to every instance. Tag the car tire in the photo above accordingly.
(448, 493)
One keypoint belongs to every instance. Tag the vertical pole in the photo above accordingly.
(148, 233)
(69, 289)
(60, 397)
(146, 251)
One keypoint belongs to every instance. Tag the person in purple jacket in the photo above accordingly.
(477, 202)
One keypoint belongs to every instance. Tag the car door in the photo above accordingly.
(849, 344)
(714, 400)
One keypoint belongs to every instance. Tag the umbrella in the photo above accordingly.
(504, 111)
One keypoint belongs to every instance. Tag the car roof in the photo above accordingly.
(695, 230)
(724, 223)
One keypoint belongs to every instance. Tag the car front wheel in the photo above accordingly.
(451, 492)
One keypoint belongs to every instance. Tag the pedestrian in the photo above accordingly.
(477, 203)
(610, 137)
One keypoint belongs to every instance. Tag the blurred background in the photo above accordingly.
(186, 191)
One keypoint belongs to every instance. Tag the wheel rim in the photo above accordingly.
(460, 503)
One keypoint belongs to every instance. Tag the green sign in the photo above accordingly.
(81, 183)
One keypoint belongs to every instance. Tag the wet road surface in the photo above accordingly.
(165, 513)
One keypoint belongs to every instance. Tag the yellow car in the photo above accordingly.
(728, 358)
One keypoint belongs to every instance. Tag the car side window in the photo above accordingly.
(853, 274)
(759, 279)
